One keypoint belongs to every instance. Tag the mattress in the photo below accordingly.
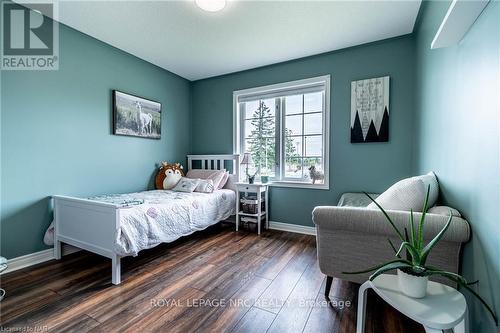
(152, 217)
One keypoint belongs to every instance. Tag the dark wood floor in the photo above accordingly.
(213, 281)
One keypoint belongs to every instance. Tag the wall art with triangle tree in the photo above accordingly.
(370, 110)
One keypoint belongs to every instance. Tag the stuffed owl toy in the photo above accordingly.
(168, 175)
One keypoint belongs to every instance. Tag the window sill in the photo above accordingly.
(299, 185)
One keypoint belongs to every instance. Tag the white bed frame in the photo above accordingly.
(92, 225)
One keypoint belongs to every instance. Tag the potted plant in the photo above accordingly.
(413, 271)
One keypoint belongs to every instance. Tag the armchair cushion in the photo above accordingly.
(356, 199)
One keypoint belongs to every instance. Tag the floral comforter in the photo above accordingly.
(152, 217)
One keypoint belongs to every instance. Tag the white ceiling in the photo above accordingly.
(180, 37)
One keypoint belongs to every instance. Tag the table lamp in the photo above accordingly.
(246, 161)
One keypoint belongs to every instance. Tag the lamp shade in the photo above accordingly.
(247, 159)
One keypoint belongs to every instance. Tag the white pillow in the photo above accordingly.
(231, 183)
(444, 210)
(217, 176)
(186, 185)
(430, 179)
(407, 194)
(205, 186)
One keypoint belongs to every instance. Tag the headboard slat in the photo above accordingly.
(210, 161)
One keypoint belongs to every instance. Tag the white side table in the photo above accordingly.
(442, 308)
(261, 190)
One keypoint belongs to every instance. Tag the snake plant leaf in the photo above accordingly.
(379, 266)
(387, 217)
(430, 271)
(422, 220)
(388, 267)
(415, 257)
(412, 228)
(427, 249)
(414, 245)
(393, 248)
(407, 238)
(481, 300)
(464, 285)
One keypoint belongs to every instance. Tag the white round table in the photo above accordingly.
(3, 266)
(442, 308)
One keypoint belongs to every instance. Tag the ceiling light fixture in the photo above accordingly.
(211, 5)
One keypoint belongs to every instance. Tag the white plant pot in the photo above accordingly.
(411, 285)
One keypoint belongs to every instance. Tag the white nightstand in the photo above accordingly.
(261, 191)
(442, 308)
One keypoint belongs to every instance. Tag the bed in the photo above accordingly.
(121, 225)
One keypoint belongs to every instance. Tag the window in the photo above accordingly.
(285, 127)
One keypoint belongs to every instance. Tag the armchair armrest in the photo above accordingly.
(371, 221)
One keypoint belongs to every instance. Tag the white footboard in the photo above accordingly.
(89, 225)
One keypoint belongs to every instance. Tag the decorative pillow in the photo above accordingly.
(231, 184)
(186, 185)
(215, 175)
(430, 179)
(168, 175)
(444, 210)
(407, 194)
(224, 180)
(205, 186)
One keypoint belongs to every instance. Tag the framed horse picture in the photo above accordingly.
(136, 116)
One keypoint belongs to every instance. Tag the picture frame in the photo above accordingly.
(136, 116)
(370, 110)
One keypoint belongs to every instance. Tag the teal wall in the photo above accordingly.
(457, 136)
(56, 134)
(353, 167)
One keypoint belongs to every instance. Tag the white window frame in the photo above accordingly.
(276, 88)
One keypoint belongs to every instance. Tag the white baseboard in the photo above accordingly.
(299, 229)
(36, 258)
(15, 264)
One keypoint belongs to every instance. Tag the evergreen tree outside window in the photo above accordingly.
(261, 140)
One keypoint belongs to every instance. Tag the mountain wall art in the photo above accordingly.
(370, 110)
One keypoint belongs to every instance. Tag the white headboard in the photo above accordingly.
(217, 162)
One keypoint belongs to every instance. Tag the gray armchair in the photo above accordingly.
(355, 238)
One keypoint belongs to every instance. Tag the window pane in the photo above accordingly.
(250, 108)
(293, 125)
(313, 123)
(313, 145)
(259, 134)
(293, 168)
(258, 109)
(293, 146)
(314, 167)
(259, 127)
(313, 102)
(269, 106)
(293, 104)
(267, 164)
(263, 155)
